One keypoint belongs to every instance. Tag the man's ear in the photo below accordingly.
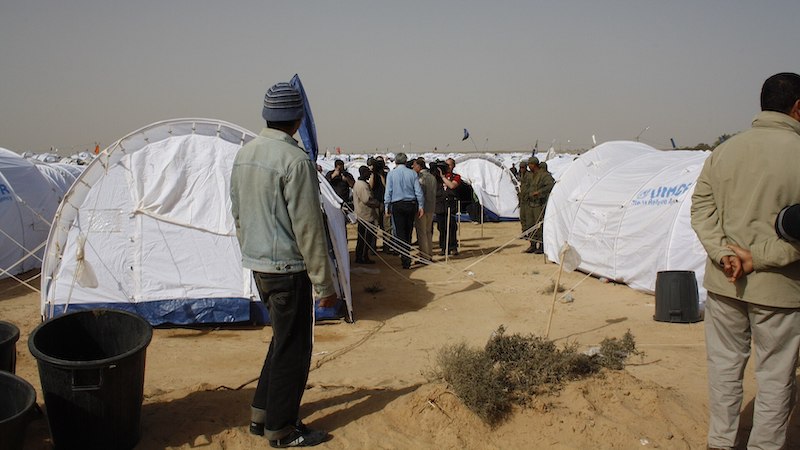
(795, 111)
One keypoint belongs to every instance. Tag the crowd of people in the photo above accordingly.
(409, 200)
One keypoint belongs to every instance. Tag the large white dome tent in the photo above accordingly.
(625, 207)
(28, 202)
(147, 228)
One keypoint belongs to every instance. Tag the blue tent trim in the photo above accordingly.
(260, 313)
(200, 311)
(177, 311)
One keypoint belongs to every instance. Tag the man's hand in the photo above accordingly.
(732, 267)
(746, 258)
(329, 301)
(420, 213)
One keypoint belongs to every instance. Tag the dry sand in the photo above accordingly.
(368, 383)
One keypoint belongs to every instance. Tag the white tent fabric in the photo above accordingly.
(59, 175)
(558, 164)
(625, 207)
(493, 184)
(27, 205)
(147, 228)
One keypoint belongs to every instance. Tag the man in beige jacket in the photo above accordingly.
(424, 224)
(755, 293)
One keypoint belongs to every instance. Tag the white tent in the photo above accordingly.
(27, 204)
(493, 184)
(624, 206)
(147, 228)
(59, 175)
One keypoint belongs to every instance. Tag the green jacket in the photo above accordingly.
(739, 192)
(277, 211)
(536, 187)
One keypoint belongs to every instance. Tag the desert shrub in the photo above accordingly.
(614, 352)
(511, 369)
(548, 289)
(475, 380)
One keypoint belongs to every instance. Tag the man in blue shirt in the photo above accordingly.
(404, 201)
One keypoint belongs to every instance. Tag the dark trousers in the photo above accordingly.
(403, 214)
(442, 226)
(285, 372)
(366, 240)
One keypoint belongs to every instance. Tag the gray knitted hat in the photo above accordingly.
(282, 104)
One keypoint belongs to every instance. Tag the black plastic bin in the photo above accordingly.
(677, 299)
(91, 365)
(9, 335)
(17, 398)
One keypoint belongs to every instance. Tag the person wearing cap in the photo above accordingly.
(535, 192)
(279, 226)
(757, 304)
(404, 201)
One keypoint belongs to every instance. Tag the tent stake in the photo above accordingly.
(555, 291)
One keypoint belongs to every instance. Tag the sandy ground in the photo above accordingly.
(369, 386)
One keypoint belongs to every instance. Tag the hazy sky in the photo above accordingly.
(383, 75)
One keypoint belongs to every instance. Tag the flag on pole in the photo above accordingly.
(308, 131)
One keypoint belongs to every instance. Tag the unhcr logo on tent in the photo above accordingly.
(5, 193)
(662, 195)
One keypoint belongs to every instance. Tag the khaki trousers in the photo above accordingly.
(424, 227)
(730, 325)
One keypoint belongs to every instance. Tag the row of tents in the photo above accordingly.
(146, 226)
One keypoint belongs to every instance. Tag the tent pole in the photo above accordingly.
(555, 292)
(447, 237)
(481, 220)
(458, 219)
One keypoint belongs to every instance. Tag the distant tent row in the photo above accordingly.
(148, 228)
(30, 192)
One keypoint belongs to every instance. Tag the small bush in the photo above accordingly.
(548, 289)
(614, 352)
(511, 369)
(476, 381)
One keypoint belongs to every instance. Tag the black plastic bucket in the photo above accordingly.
(677, 299)
(9, 335)
(91, 365)
(17, 398)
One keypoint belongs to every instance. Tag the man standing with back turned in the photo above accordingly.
(404, 201)
(279, 225)
(734, 206)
